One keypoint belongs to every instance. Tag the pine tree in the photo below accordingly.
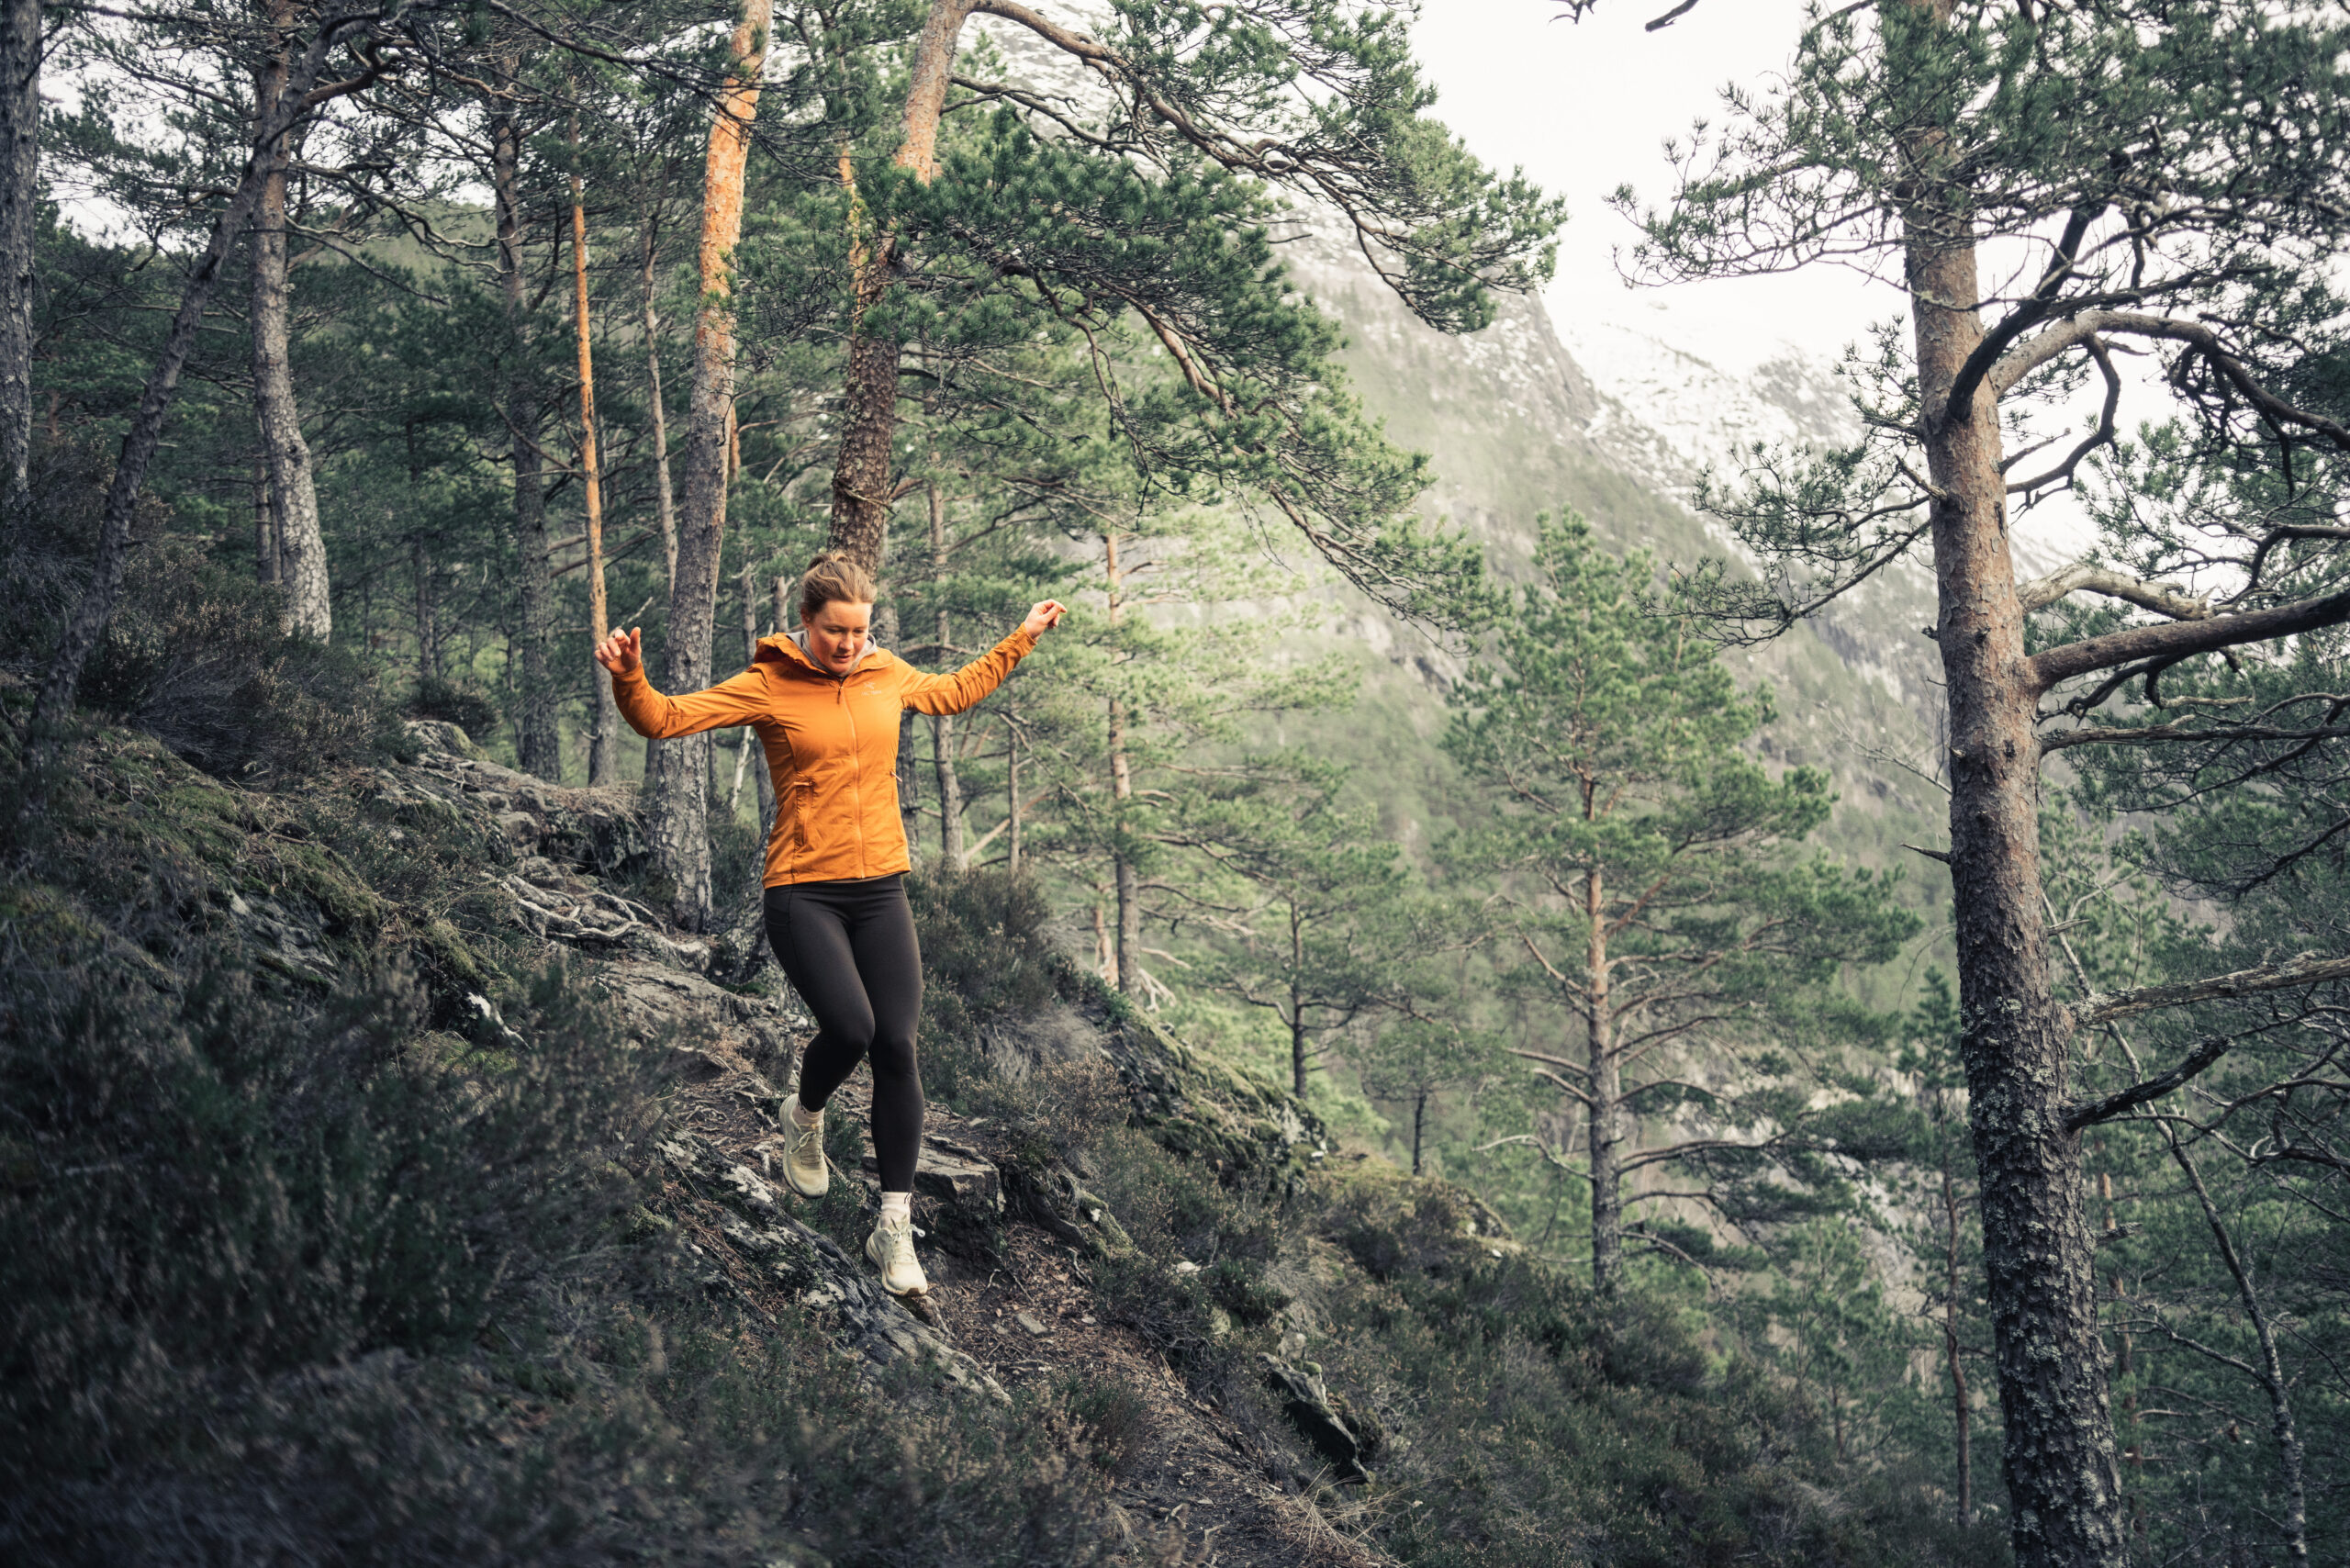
(1310, 904)
(1151, 208)
(1652, 890)
(2153, 178)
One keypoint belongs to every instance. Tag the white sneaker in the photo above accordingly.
(891, 1248)
(804, 1168)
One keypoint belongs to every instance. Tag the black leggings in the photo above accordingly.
(848, 949)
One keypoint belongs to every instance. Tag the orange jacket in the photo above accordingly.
(831, 745)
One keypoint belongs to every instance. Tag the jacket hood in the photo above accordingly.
(791, 648)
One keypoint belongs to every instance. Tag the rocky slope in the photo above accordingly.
(381, 1183)
(1015, 1310)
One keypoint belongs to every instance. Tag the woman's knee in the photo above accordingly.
(892, 1052)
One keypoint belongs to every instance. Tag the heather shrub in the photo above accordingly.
(210, 1191)
(987, 965)
(437, 697)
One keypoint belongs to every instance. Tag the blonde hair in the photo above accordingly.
(833, 577)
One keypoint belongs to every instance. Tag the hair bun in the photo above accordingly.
(833, 576)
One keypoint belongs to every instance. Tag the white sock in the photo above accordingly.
(897, 1206)
(802, 1116)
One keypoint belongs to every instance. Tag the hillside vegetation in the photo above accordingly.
(350, 1219)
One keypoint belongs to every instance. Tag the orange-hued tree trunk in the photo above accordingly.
(679, 815)
(603, 741)
(861, 481)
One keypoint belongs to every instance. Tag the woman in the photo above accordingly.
(825, 703)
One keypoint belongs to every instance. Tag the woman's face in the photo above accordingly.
(839, 634)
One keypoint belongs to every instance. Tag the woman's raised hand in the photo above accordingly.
(622, 653)
(1042, 616)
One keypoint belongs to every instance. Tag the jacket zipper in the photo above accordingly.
(855, 765)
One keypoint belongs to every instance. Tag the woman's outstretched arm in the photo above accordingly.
(736, 700)
(941, 694)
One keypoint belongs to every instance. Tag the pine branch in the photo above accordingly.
(2206, 1052)
(2084, 578)
(2181, 638)
(2309, 969)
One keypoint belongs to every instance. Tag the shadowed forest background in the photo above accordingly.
(1543, 998)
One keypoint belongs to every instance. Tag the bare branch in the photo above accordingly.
(2084, 578)
(2309, 969)
(2181, 638)
(2028, 355)
(2206, 1052)
(2158, 735)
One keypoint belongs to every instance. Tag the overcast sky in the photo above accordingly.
(1584, 106)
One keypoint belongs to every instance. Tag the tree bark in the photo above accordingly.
(664, 495)
(1961, 1416)
(942, 729)
(293, 492)
(766, 785)
(2037, 1248)
(1606, 1109)
(861, 482)
(2271, 1371)
(264, 530)
(679, 815)
(604, 738)
(1012, 796)
(428, 629)
(538, 739)
(1300, 1058)
(20, 46)
(90, 616)
(1122, 792)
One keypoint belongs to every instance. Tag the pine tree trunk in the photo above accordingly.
(1961, 1418)
(19, 210)
(604, 737)
(942, 729)
(861, 481)
(1122, 791)
(1606, 1102)
(766, 786)
(2271, 1371)
(538, 741)
(2037, 1248)
(264, 529)
(1298, 1056)
(96, 610)
(293, 492)
(679, 813)
(1012, 796)
(1419, 1117)
(428, 629)
(664, 496)
(909, 787)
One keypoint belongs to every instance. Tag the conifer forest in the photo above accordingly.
(1496, 994)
